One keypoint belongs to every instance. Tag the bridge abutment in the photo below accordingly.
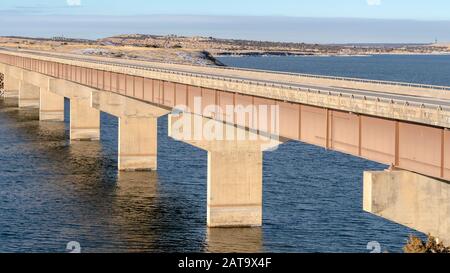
(416, 201)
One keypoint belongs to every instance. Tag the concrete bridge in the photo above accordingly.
(402, 125)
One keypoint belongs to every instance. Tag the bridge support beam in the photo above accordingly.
(29, 95)
(138, 130)
(416, 201)
(235, 168)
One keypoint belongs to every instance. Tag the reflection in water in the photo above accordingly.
(137, 185)
(136, 204)
(231, 240)
(9, 102)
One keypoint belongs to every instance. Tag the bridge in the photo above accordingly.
(402, 125)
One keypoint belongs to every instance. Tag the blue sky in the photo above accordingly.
(289, 20)
(392, 9)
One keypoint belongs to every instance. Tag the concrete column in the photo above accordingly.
(235, 168)
(138, 132)
(11, 87)
(29, 95)
(51, 106)
(84, 120)
(234, 187)
(138, 143)
(410, 199)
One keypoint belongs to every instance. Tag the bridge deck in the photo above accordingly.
(419, 94)
(402, 124)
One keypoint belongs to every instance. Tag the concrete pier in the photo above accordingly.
(29, 95)
(235, 166)
(11, 87)
(84, 120)
(416, 201)
(138, 144)
(234, 186)
(51, 106)
(138, 131)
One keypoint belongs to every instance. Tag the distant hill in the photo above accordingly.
(219, 46)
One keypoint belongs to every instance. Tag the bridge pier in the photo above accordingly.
(138, 144)
(416, 201)
(138, 131)
(51, 106)
(235, 169)
(234, 186)
(84, 120)
(11, 87)
(29, 95)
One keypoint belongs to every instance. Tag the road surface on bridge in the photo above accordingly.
(292, 80)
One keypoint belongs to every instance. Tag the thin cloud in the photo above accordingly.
(74, 3)
(374, 2)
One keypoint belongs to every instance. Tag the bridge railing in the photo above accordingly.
(360, 80)
(276, 85)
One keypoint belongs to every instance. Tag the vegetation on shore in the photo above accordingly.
(432, 245)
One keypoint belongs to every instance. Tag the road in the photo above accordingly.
(380, 90)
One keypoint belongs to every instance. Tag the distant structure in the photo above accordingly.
(60, 39)
(73, 40)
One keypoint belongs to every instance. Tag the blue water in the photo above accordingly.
(423, 69)
(53, 191)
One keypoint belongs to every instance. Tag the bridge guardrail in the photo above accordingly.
(275, 85)
(394, 83)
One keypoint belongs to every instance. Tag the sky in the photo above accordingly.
(312, 21)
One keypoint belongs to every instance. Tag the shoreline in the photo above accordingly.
(330, 55)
